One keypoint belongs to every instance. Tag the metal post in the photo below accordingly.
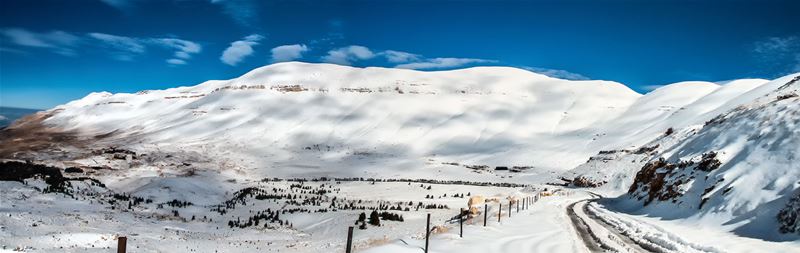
(427, 232)
(517, 206)
(509, 208)
(349, 248)
(122, 243)
(461, 223)
(485, 213)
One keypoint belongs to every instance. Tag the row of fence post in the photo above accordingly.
(526, 202)
(122, 241)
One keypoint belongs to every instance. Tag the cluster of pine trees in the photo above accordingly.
(269, 216)
(375, 218)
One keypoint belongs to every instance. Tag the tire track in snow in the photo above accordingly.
(631, 246)
(596, 234)
(592, 241)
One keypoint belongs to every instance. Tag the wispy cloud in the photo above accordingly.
(176, 61)
(557, 73)
(119, 47)
(184, 49)
(405, 60)
(347, 55)
(440, 63)
(241, 11)
(59, 42)
(779, 53)
(288, 52)
(400, 57)
(126, 48)
(240, 49)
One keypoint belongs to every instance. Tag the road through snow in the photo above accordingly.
(564, 222)
(545, 227)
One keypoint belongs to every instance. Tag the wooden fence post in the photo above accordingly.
(499, 211)
(461, 223)
(509, 208)
(517, 206)
(485, 213)
(122, 243)
(349, 248)
(427, 232)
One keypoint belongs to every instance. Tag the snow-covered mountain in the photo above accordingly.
(294, 119)
(720, 154)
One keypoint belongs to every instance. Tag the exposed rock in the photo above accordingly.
(586, 182)
(789, 216)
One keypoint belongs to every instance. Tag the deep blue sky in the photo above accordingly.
(52, 52)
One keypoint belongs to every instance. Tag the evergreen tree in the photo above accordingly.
(374, 218)
(362, 217)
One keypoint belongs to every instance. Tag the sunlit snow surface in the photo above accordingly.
(290, 120)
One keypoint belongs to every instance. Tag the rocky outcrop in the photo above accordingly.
(664, 181)
(789, 216)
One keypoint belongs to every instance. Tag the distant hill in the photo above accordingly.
(10, 114)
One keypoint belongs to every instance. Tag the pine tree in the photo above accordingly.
(362, 217)
(374, 218)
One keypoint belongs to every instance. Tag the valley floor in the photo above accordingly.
(563, 220)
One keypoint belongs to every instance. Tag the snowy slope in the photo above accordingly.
(314, 119)
(738, 170)
(206, 142)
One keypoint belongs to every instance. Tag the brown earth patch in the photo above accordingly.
(28, 138)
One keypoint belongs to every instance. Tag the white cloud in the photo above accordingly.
(121, 43)
(288, 52)
(350, 54)
(126, 48)
(184, 48)
(776, 45)
(240, 49)
(182, 55)
(781, 54)
(438, 63)
(400, 57)
(346, 55)
(176, 61)
(557, 73)
(58, 41)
